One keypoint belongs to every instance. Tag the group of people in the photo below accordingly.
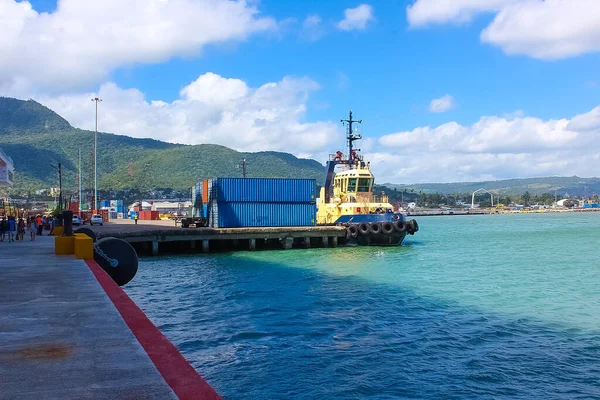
(12, 229)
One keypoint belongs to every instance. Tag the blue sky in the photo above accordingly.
(388, 70)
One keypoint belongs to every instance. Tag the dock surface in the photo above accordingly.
(156, 237)
(61, 337)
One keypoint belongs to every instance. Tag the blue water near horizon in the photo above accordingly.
(501, 306)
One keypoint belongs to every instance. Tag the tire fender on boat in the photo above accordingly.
(400, 226)
(387, 228)
(352, 231)
(375, 228)
(413, 226)
(363, 228)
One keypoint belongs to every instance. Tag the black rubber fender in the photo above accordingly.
(123, 253)
(363, 228)
(400, 226)
(387, 228)
(352, 231)
(413, 226)
(87, 231)
(375, 228)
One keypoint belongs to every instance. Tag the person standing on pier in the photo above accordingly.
(12, 228)
(135, 218)
(32, 226)
(39, 224)
(3, 228)
(21, 229)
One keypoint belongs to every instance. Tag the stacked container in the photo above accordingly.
(258, 202)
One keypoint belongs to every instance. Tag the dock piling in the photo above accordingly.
(252, 244)
(155, 247)
(205, 246)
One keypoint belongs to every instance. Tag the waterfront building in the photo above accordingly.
(7, 170)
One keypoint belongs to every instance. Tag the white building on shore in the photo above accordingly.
(7, 171)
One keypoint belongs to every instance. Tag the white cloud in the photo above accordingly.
(427, 12)
(544, 29)
(356, 18)
(312, 29)
(82, 41)
(212, 109)
(491, 148)
(442, 104)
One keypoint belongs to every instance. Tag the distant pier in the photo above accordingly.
(159, 237)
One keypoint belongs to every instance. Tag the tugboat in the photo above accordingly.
(347, 199)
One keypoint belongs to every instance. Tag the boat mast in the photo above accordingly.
(351, 136)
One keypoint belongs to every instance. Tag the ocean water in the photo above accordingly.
(471, 307)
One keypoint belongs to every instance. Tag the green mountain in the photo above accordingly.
(573, 185)
(35, 137)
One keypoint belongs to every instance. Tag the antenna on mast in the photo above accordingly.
(351, 136)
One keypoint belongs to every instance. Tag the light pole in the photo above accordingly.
(97, 100)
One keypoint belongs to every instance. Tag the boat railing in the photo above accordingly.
(380, 199)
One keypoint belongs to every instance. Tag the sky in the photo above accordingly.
(448, 90)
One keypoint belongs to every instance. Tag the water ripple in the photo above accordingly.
(478, 308)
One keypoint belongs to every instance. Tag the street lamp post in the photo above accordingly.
(97, 100)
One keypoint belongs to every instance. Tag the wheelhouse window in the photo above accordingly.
(364, 185)
(352, 185)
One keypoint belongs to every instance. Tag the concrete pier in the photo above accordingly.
(165, 237)
(62, 336)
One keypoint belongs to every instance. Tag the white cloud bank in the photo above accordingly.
(83, 41)
(356, 18)
(443, 104)
(491, 148)
(544, 29)
(212, 109)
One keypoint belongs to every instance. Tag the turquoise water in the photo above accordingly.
(499, 306)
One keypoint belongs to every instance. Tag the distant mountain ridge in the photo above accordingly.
(36, 137)
(573, 185)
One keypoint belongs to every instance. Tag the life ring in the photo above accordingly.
(387, 228)
(352, 231)
(363, 228)
(375, 228)
(400, 226)
(396, 217)
(414, 227)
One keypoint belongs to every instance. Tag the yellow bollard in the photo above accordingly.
(84, 247)
(64, 245)
(58, 230)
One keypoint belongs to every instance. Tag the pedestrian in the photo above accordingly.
(12, 228)
(135, 218)
(39, 224)
(3, 228)
(32, 228)
(21, 229)
(51, 221)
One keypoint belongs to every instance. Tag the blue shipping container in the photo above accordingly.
(268, 190)
(244, 214)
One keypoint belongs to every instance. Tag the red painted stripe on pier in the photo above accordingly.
(174, 368)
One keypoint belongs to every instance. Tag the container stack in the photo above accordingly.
(259, 202)
(149, 215)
